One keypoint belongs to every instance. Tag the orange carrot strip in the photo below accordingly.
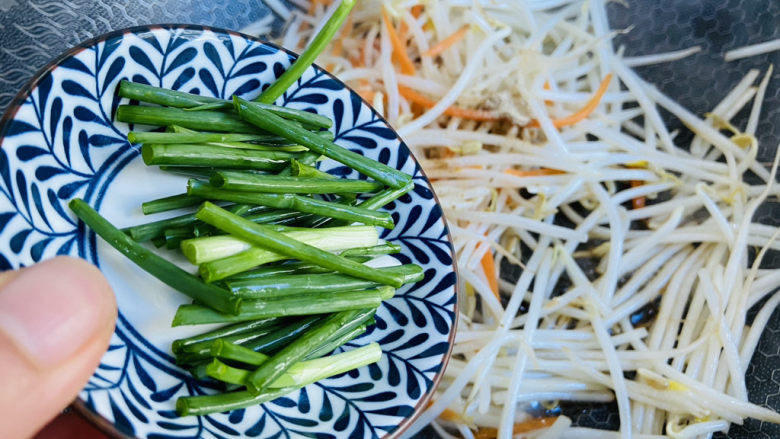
(547, 87)
(519, 427)
(448, 42)
(464, 113)
(638, 202)
(338, 45)
(585, 111)
(533, 172)
(417, 10)
(407, 68)
(449, 415)
(489, 267)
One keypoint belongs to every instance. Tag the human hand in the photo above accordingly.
(56, 319)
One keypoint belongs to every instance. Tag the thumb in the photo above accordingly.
(56, 319)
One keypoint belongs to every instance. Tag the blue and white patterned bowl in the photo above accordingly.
(59, 140)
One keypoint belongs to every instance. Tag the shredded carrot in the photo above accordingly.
(313, 5)
(585, 111)
(358, 60)
(638, 202)
(404, 28)
(407, 68)
(338, 45)
(463, 113)
(489, 267)
(449, 415)
(519, 427)
(447, 42)
(533, 172)
(547, 87)
(448, 153)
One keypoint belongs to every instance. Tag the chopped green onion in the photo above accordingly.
(294, 202)
(172, 202)
(233, 352)
(308, 158)
(173, 276)
(306, 59)
(223, 402)
(148, 231)
(303, 372)
(310, 283)
(232, 180)
(209, 155)
(301, 304)
(267, 238)
(294, 352)
(224, 331)
(340, 338)
(196, 137)
(377, 250)
(174, 237)
(288, 268)
(276, 125)
(163, 116)
(283, 335)
(179, 99)
(202, 250)
(197, 352)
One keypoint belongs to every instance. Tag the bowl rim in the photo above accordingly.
(104, 425)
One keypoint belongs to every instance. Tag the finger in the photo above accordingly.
(56, 319)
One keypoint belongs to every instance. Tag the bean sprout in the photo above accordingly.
(632, 248)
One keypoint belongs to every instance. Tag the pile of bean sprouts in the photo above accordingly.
(634, 272)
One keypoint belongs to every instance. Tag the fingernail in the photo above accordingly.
(52, 309)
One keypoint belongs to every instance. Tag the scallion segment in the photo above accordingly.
(309, 158)
(163, 116)
(178, 345)
(306, 59)
(151, 230)
(232, 180)
(287, 285)
(272, 123)
(294, 202)
(173, 276)
(388, 248)
(223, 402)
(237, 353)
(179, 99)
(265, 237)
(213, 156)
(280, 337)
(171, 202)
(303, 170)
(302, 304)
(198, 137)
(339, 339)
(294, 352)
(302, 372)
(201, 250)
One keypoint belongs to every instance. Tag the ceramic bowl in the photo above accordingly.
(59, 140)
